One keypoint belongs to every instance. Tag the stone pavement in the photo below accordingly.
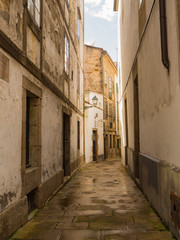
(100, 203)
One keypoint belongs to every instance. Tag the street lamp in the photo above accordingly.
(95, 100)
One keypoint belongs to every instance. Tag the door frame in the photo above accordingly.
(66, 114)
(96, 144)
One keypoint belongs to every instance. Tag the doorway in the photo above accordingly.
(94, 145)
(66, 144)
(136, 128)
(126, 128)
(106, 146)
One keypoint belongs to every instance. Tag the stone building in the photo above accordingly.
(149, 53)
(41, 103)
(100, 74)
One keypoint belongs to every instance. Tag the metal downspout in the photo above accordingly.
(163, 28)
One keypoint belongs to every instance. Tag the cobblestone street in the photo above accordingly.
(101, 202)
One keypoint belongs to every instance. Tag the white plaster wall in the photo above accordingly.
(10, 134)
(129, 31)
(160, 91)
(93, 123)
(73, 142)
(52, 135)
(128, 45)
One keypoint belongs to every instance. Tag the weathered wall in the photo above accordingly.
(110, 70)
(53, 38)
(10, 137)
(32, 61)
(11, 15)
(129, 30)
(93, 80)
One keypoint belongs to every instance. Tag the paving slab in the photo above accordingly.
(101, 202)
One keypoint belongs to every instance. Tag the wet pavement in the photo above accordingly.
(100, 203)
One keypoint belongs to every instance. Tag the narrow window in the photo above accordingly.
(110, 115)
(27, 130)
(32, 129)
(78, 79)
(117, 109)
(117, 88)
(117, 124)
(34, 10)
(106, 110)
(114, 114)
(72, 75)
(118, 143)
(110, 141)
(105, 78)
(78, 28)
(110, 87)
(114, 143)
(78, 134)
(78, 22)
(66, 57)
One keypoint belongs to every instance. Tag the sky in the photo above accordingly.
(101, 25)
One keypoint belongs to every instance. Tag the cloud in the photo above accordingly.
(86, 9)
(91, 42)
(103, 10)
(93, 3)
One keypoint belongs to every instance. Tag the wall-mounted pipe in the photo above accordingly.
(163, 28)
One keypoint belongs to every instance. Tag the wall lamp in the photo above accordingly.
(95, 102)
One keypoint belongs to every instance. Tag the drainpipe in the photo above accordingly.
(163, 28)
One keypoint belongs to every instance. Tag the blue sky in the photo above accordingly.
(101, 25)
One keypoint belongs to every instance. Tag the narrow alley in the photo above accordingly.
(100, 202)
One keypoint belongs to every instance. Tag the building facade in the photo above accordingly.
(41, 101)
(149, 64)
(100, 75)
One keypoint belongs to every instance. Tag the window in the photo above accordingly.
(110, 113)
(110, 110)
(32, 129)
(66, 60)
(72, 75)
(106, 110)
(79, 22)
(117, 109)
(117, 124)
(118, 143)
(78, 134)
(78, 79)
(114, 143)
(34, 10)
(78, 28)
(105, 78)
(110, 141)
(110, 87)
(117, 88)
(113, 113)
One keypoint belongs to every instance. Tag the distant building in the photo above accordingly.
(149, 54)
(100, 75)
(41, 103)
